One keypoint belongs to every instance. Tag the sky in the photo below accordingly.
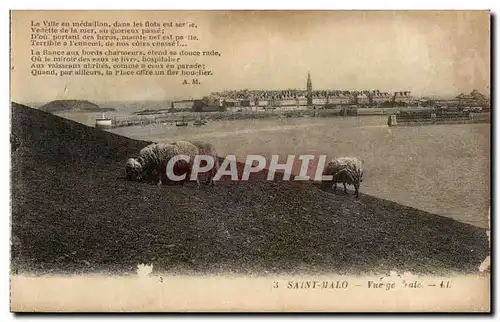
(425, 52)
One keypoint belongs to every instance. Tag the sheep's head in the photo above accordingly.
(133, 169)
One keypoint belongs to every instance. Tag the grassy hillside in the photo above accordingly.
(72, 211)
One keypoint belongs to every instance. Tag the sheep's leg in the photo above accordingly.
(335, 187)
(356, 187)
(188, 177)
(161, 174)
(215, 169)
(211, 178)
(345, 187)
(197, 181)
(160, 179)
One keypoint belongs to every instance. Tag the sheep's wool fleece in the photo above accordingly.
(352, 163)
(187, 148)
(205, 148)
(147, 156)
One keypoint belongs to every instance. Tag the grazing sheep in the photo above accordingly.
(155, 157)
(151, 164)
(206, 148)
(346, 170)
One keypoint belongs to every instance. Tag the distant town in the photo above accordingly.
(307, 97)
(285, 103)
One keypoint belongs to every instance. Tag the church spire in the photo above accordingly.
(309, 89)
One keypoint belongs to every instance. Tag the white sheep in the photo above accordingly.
(345, 170)
(153, 160)
(206, 148)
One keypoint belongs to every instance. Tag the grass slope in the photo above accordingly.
(72, 211)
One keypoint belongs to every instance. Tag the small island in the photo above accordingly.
(74, 106)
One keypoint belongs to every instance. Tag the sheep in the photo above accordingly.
(153, 160)
(206, 148)
(347, 170)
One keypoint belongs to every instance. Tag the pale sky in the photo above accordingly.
(426, 52)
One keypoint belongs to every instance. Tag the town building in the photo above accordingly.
(404, 97)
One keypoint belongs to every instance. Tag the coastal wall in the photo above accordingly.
(228, 115)
(428, 117)
(164, 117)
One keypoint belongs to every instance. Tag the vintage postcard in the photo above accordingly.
(250, 161)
